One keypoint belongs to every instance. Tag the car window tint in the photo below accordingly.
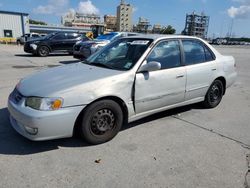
(194, 52)
(167, 53)
(35, 36)
(60, 36)
(73, 35)
(208, 54)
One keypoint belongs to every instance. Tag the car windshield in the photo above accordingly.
(108, 36)
(121, 54)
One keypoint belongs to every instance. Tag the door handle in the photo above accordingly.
(214, 69)
(180, 76)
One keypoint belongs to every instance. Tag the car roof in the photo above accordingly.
(159, 36)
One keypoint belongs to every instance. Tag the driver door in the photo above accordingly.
(163, 87)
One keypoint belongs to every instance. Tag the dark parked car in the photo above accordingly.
(84, 49)
(60, 41)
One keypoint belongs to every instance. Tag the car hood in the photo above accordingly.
(40, 39)
(48, 83)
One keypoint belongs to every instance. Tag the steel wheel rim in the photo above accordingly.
(102, 122)
(215, 93)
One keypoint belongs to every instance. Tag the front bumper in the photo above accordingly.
(28, 49)
(47, 125)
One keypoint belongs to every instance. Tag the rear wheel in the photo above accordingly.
(214, 94)
(101, 121)
(43, 51)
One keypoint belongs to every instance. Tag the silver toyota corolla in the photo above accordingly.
(131, 78)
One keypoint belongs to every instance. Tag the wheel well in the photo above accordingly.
(113, 98)
(223, 80)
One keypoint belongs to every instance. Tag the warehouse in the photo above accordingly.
(13, 24)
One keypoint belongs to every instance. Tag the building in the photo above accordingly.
(13, 24)
(196, 25)
(110, 22)
(142, 25)
(157, 29)
(124, 17)
(79, 20)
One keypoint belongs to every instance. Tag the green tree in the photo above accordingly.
(168, 30)
(37, 22)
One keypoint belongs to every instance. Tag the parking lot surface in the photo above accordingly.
(184, 147)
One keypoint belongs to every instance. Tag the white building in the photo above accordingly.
(13, 24)
(124, 17)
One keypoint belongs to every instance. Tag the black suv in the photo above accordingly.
(60, 41)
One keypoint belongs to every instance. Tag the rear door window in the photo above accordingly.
(73, 35)
(60, 36)
(194, 52)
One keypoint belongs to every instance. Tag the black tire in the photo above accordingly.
(18, 42)
(214, 94)
(43, 51)
(101, 121)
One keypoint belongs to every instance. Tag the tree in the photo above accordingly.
(37, 22)
(168, 30)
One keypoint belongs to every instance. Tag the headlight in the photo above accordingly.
(44, 104)
(34, 46)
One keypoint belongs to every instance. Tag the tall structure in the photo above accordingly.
(142, 26)
(124, 17)
(196, 25)
(110, 22)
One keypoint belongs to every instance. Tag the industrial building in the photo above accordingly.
(142, 26)
(124, 17)
(196, 25)
(157, 29)
(110, 22)
(13, 24)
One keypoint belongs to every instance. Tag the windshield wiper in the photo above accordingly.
(100, 65)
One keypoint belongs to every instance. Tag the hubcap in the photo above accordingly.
(102, 121)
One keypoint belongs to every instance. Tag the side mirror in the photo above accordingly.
(150, 66)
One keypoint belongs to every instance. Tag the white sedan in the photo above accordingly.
(129, 79)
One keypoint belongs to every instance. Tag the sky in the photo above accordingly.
(223, 13)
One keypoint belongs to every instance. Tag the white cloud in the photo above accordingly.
(134, 9)
(87, 7)
(241, 12)
(53, 7)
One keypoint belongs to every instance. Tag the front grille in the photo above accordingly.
(16, 96)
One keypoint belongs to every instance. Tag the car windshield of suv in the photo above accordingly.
(121, 54)
(108, 36)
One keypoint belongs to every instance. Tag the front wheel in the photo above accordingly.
(101, 121)
(214, 94)
(43, 51)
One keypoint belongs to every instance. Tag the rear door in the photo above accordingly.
(164, 87)
(200, 66)
(58, 42)
(72, 38)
